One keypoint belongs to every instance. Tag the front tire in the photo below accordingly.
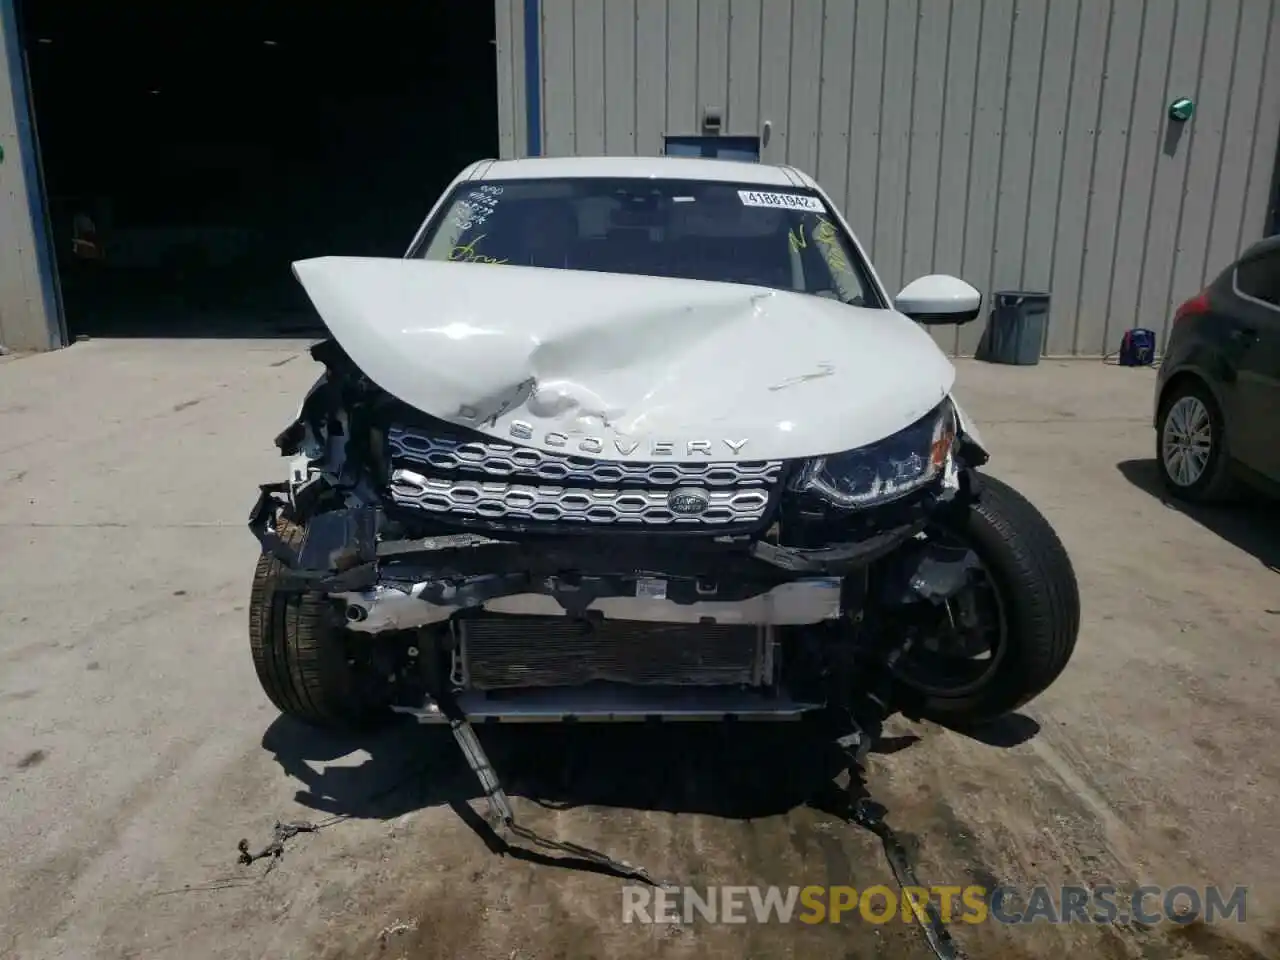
(1038, 603)
(300, 654)
(1191, 450)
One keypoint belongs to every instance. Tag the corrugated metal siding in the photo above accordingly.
(1016, 143)
(28, 318)
(509, 40)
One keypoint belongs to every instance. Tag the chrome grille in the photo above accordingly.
(499, 481)
(504, 460)
(501, 652)
(496, 500)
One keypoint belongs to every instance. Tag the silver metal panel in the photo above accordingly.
(506, 23)
(1146, 127)
(588, 74)
(620, 89)
(651, 76)
(1263, 153)
(1092, 32)
(775, 77)
(895, 141)
(1052, 104)
(683, 109)
(1206, 147)
(988, 134)
(1026, 61)
(926, 149)
(1015, 143)
(1242, 119)
(1171, 169)
(806, 74)
(744, 67)
(559, 114)
(958, 148)
(713, 56)
(835, 89)
(864, 124)
(1106, 189)
(1046, 165)
(519, 107)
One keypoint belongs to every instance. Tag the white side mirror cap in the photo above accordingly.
(939, 299)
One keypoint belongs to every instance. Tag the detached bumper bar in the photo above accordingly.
(356, 549)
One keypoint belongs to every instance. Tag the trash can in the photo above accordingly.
(1015, 332)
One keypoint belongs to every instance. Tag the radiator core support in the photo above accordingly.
(496, 652)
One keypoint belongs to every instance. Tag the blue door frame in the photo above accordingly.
(33, 176)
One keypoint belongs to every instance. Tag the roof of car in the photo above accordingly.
(661, 168)
(1267, 245)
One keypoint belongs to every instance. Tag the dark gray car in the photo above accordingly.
(1217, 412)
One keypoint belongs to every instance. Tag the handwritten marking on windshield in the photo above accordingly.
(477, 207)
(468, 253)
(824, 370)
(825, 236)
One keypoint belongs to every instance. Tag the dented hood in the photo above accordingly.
(628, 368)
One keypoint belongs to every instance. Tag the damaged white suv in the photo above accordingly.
(632, 438)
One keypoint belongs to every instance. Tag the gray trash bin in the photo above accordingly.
(1015, 333)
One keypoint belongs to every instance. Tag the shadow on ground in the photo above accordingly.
(742, 771)
(731, 770)
(1253, 525)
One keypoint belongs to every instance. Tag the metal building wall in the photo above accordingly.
(29, 316)
(1016, 143)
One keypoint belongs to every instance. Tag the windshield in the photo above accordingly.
(690, 229)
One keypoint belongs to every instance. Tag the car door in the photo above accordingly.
(1256, 334)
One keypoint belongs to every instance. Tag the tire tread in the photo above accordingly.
(296, 651)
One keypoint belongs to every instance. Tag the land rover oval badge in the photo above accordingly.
(688, 501)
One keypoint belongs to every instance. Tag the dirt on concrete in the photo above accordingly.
(136, 748)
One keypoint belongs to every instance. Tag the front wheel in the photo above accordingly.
(300, 651)
(1008, 635)
(1191, 444)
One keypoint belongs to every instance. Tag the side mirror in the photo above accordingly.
(939, 299)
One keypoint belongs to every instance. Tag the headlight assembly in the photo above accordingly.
(886, 470)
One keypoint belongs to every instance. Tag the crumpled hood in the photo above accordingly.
(628, 368)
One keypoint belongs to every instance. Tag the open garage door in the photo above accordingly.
(193, 150)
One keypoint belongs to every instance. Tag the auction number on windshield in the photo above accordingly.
(783, 201)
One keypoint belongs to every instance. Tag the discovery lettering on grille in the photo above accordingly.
(523, 430)
(495, 480)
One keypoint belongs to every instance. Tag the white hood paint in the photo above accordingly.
(628, 368)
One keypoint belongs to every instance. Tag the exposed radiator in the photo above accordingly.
(498, 652)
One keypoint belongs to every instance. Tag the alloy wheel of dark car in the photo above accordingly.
(1190, 444)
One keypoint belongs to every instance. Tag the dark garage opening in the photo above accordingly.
(192, 151)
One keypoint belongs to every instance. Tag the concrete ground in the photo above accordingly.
(136, 748)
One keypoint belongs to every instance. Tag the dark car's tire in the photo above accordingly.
(300, 655)
(1039, 599)
(1213, 482)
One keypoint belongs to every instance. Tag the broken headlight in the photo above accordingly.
(884, 470)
